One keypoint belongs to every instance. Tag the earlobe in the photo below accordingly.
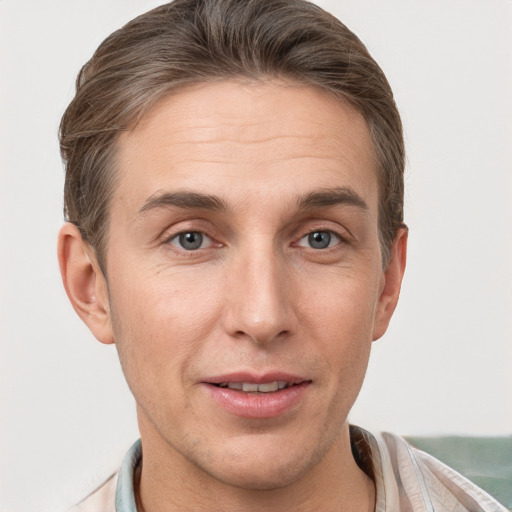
(84, 282)
(393, 276)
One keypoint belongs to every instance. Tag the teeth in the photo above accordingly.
(268, 387)
(251, 387)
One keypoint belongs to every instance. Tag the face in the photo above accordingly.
(245, 277)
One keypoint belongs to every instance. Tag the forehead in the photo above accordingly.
(233, 137)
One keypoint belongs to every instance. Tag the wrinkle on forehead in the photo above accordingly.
(198, 116)
(216, 134)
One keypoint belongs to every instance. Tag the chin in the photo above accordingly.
(262, 468)
(270, 477)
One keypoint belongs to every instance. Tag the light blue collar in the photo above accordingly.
(125, 495)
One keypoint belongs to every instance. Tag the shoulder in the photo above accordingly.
(117, 492)
(100, 500)
(425, 483)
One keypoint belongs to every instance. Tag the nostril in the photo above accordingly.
(262, 337)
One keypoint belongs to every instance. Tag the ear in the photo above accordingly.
(392, 281)
(84, 282)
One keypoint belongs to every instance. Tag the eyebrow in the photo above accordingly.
(193, 200)
(183, 199)
(332, 197)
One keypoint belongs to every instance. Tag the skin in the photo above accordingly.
(255, 296)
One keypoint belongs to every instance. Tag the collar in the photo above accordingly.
(125, 494)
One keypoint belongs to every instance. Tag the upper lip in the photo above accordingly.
(255, 378)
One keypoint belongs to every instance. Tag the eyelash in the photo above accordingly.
(338, 239)
(178, 237)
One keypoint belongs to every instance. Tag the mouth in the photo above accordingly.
(258, 396)
(264, 387)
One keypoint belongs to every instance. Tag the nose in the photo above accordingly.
(259, 304)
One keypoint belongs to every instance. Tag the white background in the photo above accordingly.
(444, 366)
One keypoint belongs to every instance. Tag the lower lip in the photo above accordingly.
(258, 405)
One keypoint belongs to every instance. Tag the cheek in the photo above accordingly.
(342, 303)
(340, 319)
(160, 322)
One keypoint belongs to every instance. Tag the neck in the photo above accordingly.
(169, 482)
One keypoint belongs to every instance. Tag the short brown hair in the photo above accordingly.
(192, 41)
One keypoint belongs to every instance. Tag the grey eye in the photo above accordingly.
(189, 240)
(319, 240)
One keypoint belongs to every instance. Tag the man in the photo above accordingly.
(234, 192)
